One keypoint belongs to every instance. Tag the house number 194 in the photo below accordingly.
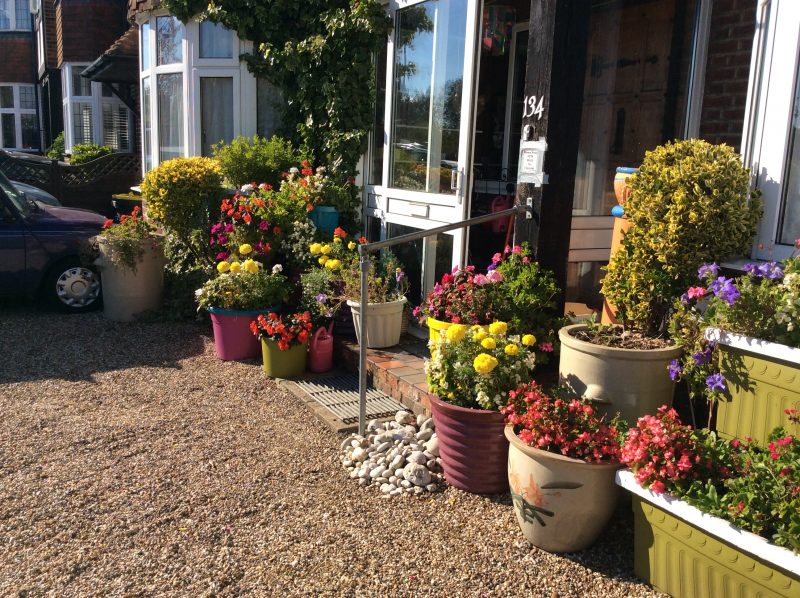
(530, 107)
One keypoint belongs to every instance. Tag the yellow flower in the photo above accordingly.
(488, 343)
(455, 333)
(332, 264)
(236, 267)
(325, 249)
(528, 340)
(479, 335)
(223, 267)
(351, 245)
(337, 240)
(245, 248)
(315, 248)
(323, 260)
(511, 349)
(250, 266)
(498, 328)
(484, 364)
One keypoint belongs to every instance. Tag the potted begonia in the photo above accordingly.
(284, 342)
(690, 203)
(742, 344)
(470, 372)
(727, 510)
(131, 263)
(562, 461)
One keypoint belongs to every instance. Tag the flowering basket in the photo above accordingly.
(247, 287)
(286, 331)
(124, 243)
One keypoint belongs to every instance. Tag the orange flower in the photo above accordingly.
(247, 218)
(108, 223)
(339, 232)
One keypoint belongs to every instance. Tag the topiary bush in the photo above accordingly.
(257, 160)
(86, 152)
(690, 203)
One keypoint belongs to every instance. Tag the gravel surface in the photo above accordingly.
(134, 463)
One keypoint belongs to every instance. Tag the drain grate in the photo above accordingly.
(339, 395)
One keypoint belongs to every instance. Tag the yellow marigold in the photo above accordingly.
(325, 249)
(455, 333)
(236, 267)
(250, 266)
(337, 240)
(223, 267)
(498, 328)
(323, 260)
(479, 335)
(315, 248)
(332, 264)
(528, 340)
(511, 349)
(351, 245)
(488, 343)
(484, 364)
(245, 248)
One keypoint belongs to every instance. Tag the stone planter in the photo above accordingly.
(686, 553)
(561, 504)
(436, 328)
(126, 292)
(472, 447)
(233, 338)
(384, 321)
(283, 364)
(763, 380)
(633, 382)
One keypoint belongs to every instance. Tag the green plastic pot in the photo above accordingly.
(283, 364)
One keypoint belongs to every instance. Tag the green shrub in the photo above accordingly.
(56, 150)
(690, 204)
(86, 152)
(257, 160)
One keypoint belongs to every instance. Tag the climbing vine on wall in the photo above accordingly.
(319, 53)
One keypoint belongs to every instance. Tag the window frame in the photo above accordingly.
(13, 18)
(17, 110)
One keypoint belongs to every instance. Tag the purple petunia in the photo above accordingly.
(322, 298)
(703, 357)
(724, 289)
(398, 276)
(708, 270)
(716, 382)
(674, 370)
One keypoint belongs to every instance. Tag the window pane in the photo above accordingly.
(169, 40)
(429, 63)
(170, 116)
(5, 15)
(81, 86)
(216, 111)
(30, 133)
(268, 108)
(147, 128)
(789, 229)
(215, 40)
(82, 122)
(6, 96)
(144, 44)
(27, 97)
(115, 126)
(416, 256)
(376, 169)
(8, 129)
(23, 14)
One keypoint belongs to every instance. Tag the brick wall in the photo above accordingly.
(87, 28)
(16, 65)
(727, 72)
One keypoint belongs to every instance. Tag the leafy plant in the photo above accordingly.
(257, 160)
(56, 149)
(86, 152)
(124, 240)
(319, 297)
(477, 366)
(690, 203)
(247, 289)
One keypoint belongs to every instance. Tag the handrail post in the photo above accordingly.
(362, 344)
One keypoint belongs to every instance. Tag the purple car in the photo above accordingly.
(40, 249)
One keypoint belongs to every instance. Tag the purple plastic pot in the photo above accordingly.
(233, 338)
(472, 446)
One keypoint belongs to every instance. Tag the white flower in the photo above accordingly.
(294, 170)
(198, 292)
(277, 268)
(248, 188)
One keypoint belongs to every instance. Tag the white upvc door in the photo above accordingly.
(771, 140)
(427, 136)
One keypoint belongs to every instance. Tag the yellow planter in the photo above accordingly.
(436, 327)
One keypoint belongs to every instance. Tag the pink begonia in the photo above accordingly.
(517, 249)
(494, 276)
(497, 258)
(696, 292)
(546, 347)
(480, 279)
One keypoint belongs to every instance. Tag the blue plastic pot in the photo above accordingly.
(325, 218)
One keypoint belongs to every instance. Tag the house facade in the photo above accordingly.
(19, 114)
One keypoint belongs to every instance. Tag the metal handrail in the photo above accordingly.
(368, 248)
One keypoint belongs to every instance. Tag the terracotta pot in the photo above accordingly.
(384, 322)
(561, 504)
(634, 382)
(472, 447)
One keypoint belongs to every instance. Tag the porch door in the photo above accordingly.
(427, 132)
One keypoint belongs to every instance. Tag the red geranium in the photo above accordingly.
(287, 330)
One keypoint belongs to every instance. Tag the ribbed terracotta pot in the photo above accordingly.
(472, 447)
(561, 504)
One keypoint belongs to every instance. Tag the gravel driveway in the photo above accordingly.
(134, 463)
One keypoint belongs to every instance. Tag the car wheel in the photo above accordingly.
(73, 288)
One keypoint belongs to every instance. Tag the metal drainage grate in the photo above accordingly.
(339, 395)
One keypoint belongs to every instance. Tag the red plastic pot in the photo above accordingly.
(472, 446)
(233, 338)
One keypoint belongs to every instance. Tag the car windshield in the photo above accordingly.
(15, 196)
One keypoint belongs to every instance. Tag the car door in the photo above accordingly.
(12, 250)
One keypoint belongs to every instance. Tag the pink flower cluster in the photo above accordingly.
(568, 427)
(662, 452)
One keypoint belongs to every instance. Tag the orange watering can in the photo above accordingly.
(320, 353)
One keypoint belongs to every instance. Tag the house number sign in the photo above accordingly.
(531, 106)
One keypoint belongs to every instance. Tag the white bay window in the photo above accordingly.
(19, 128)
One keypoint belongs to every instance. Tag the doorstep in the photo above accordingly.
(398, 371)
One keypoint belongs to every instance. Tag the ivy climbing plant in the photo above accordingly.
(319, 53)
